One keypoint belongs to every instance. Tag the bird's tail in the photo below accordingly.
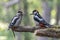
(48, 25)
(13, 33)
(11, 30)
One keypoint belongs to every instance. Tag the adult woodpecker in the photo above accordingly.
(38, 18)
(16, 20)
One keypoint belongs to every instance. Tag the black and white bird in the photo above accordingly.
(38, 18)
(16, 20)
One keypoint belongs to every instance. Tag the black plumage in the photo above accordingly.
(38, 18)
(16, 20)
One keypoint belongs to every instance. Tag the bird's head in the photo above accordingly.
(34, 12)
(19, 13)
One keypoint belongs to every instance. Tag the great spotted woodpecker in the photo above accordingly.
(16, 20)
(38, 18)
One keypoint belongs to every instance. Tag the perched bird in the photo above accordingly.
(38, 18)
(16, 20)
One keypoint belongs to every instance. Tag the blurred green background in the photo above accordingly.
(49, 9)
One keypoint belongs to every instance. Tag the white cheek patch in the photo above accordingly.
(35, 12)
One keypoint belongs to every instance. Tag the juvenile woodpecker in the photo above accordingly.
(38, 18)
(16, 20)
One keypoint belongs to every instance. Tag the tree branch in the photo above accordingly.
(24, 29)
(10, 3)
(47, 32)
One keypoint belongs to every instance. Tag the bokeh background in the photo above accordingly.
(49, 10)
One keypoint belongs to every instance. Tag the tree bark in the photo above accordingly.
(46, 32)
(53, 33)
(26, 20)
(45, 14)
(18, 35)
(25, 29)
(46, 11)
(10, 3)
(58, 13)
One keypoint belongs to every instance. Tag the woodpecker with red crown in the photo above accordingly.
(38, 18)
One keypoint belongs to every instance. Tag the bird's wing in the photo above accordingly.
(13, 21)
(38, 18)
(41, 20)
